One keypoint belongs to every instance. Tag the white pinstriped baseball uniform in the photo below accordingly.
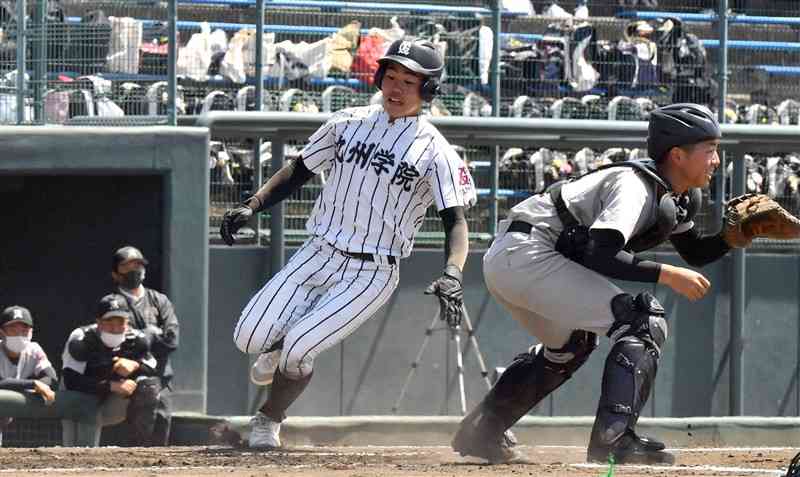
(382, 176)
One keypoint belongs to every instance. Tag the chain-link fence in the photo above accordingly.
(106, 62)
(615, 7)
(522, 172)
(596, 59)
(529, 169)
(83, 59)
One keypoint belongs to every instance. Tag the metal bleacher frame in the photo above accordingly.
(415, 8)
(710, 18)
(778, 70)
(418, 8)
(185, 25)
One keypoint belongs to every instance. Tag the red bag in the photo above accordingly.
(365, 64)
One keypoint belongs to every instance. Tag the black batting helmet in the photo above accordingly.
(678, 125)
(418, 56)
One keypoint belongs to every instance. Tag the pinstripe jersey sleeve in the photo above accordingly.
(320, 151)
(450, 180)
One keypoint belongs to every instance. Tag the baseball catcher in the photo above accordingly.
(551, 263)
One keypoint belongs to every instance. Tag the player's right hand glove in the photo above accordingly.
(447, 289)
(233, 220)
(756, 215)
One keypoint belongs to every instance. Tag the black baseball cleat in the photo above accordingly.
(631, 449)
(476, 438)
(650, 443)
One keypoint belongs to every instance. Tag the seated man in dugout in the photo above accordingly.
(27, 380)
(111, 361)
(152, 313)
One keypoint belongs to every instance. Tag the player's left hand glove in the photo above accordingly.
(233, 220)
(755, 215)
(447, 289)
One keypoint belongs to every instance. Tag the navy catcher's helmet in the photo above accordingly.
(679, 125)
(418, 56)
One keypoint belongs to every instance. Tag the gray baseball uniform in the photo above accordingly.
(547, 293)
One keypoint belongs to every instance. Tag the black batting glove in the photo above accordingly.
(233, 220)
(448, 290)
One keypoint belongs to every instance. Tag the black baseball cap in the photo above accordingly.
(16, 313)
(113, 305)
(125, 254)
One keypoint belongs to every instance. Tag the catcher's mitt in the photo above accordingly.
(756, 215)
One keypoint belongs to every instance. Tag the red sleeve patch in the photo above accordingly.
(463, 176)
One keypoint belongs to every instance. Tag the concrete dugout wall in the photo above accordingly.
(72, 196)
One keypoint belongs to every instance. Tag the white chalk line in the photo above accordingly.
(151, 468)
(692, 468)
(696, 449)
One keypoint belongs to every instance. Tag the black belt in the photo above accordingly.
(520, 226)
(368, 257)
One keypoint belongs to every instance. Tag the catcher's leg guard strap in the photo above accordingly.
(534, 375)
(641, 317)
(638, 334)
(630, 370)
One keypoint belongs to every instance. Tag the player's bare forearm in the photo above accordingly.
(456, 241)
(281, 185)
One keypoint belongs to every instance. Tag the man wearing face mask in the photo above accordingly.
(112, 361)
(27, 379)
(152, 312)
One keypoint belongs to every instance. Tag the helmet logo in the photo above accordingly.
(17, 314)
(404, 48)
(114, 305)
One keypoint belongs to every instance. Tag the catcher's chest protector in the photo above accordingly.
(671, 210)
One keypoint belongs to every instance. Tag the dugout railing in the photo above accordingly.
(502, 155)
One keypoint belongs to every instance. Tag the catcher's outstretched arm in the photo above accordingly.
(699, 250)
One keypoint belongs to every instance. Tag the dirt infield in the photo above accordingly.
(371, 462)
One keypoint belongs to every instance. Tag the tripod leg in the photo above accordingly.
(456, 333)
(474, 342)
(459, 356)
(415, 363)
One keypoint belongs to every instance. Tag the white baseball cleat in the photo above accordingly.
(264, 432)
(263, 370)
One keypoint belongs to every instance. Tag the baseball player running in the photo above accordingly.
(550, 267)
(385, 166)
